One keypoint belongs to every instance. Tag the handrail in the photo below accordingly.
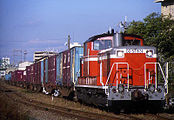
(117, 63)
(164, 77)
(167, 76)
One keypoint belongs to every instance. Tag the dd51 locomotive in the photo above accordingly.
(118, 70)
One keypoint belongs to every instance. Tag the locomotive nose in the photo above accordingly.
(138, 95)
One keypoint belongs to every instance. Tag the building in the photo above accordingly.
(167, 7)
(2, 72)
(75, 44)
(22, 66)
(5, 62)
(40, 54)
(10, 69)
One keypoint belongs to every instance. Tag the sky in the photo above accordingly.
(39, 25)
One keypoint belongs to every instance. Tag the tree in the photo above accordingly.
(157, 31)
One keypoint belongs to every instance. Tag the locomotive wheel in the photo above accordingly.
(38, 88)
(31, 87)
(155, 107)
(28, 86)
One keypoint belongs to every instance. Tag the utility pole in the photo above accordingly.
(69, 41)
(25, 54)
(17, 56)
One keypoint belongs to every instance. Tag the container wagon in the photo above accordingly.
(61, 72)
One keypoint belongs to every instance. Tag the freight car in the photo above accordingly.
(61, 72)
(117, 70)
(18, 77)
(55, 74)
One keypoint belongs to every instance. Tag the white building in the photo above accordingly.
(22, 66)
(167, 7)
(40, 54)
(75, 44)
(10, 69)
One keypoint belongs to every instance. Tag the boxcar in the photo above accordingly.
(66, 69)
(28, 76)
(37, 77)
(19, 77)
(61, 72)
(76, 54)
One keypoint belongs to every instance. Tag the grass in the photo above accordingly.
(10, 110)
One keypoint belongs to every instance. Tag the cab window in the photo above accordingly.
(102, 44)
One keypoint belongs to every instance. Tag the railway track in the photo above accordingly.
(132, 117)
(73, 113)
(163, 116)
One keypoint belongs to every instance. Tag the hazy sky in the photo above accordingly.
(37, 25)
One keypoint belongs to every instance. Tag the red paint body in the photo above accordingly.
(32, 74)
(28, 72)
(37, 73)
(66, 68)
(96, 66)
(13, 76)
(52, 70)
(18, 76)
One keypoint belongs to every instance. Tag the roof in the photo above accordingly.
(110, 34)
(99, 36)
(157, 1)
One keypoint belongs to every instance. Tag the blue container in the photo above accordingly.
(42, 71)
(46, 71)
(59, 76)
(76, 54)
(8, 76)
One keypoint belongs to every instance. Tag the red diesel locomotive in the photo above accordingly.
(117, 69)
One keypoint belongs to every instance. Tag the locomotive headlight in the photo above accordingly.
(149, 53)
(120, 53)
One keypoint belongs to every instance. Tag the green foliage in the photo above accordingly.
(157, 31)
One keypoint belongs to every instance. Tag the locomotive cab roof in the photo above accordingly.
(119, 39)
(111, 34)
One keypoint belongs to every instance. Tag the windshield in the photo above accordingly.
(102, 44)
